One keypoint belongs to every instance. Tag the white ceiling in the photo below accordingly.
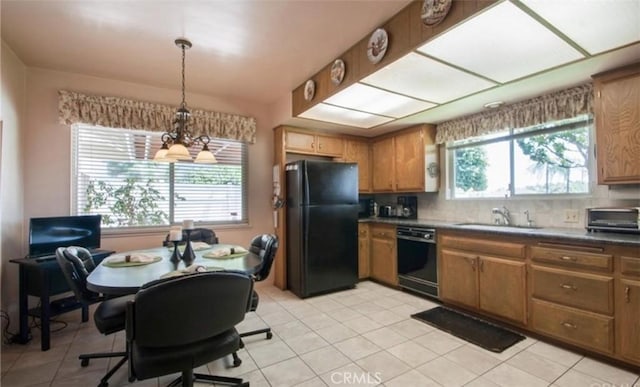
(260, 50)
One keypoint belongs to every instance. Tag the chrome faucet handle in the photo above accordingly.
(529, 220)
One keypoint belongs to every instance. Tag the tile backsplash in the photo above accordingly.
(547, 212)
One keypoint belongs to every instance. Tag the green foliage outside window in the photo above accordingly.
(471, 169)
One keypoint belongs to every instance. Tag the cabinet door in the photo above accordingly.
(330, 146)
(358, 152)
(458, 277)
(363, 251)
(383, 261)
(300, 142)
(628, 318)
(409, 162)
(617, 113)
(503, 288)
(382, 165)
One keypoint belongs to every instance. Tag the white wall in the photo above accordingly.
(11, 178)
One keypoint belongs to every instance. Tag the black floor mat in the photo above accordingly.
(487, 335)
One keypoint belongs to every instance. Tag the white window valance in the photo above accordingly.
(115, 112)
(546, 108)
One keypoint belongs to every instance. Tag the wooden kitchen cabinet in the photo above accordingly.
(409, 162)
(363, 251)
(628, 307)
(357, 151)
(399, 161)
(572, 294)
(382, 165)
(313, 143)
(484, 274)
(617, 116)
(384, 265)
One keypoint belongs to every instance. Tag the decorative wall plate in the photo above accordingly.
(337, 71)
(377, 46)
(309, 90)
(434, 11)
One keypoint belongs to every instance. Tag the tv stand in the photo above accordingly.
(42, 277)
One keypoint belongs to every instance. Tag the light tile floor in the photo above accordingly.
(358, 337)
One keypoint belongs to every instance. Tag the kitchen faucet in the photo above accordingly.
(504, 212)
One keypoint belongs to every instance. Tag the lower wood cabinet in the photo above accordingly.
(486, 282)
(384, 264)
(576, 326)
(628, 310)
(363, 251)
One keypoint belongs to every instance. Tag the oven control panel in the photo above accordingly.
(416, 233)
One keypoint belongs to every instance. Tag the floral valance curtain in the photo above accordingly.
(546, 108)
(114, 112)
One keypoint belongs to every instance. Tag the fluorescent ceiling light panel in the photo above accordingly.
(502, 43)
(596, 25)
(373, 100)
(338, 115)
(426, 79)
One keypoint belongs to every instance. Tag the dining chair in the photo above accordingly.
(109, 317)
(266, 247)
(179, 323)
(205, 235)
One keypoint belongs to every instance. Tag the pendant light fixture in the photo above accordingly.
(175, 143)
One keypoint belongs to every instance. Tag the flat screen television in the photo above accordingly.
(47, 234)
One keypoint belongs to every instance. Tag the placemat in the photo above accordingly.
(213, 254)
(176, 273)
(128, 264)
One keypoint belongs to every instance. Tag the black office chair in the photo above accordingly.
(265, 246)
(76, 263)
(180, 323)
(197, 235)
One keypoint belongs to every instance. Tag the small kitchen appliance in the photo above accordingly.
(613, 219)
(407, 207)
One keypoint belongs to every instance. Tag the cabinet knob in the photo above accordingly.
(568, 258)
(567, 324)
(627, 294)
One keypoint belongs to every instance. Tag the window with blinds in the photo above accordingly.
(114, 175)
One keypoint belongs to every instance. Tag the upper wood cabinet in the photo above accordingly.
(617, 115)
(399, 161)
(382, 165)
(313, 143)
(357, 151)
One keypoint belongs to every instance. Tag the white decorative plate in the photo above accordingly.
(309, 90)
(337, 71)
(434, 11)
(377, 46)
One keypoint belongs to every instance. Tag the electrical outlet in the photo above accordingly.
(571, 216)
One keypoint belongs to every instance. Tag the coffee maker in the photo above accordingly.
(407, 207)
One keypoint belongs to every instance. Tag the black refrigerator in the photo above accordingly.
(322, 226)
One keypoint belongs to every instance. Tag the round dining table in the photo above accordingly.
(125, 279)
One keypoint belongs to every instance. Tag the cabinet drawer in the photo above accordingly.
(585, 291)
(483, 246)
(572, 258)
(630, 266)
(363, 230)
(382, 231)
(583, 328)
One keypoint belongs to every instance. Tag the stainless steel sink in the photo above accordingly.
(506, 226)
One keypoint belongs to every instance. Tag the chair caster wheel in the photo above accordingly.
(237, 362)
(269, 335)
(84, 362)
(132, 379)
